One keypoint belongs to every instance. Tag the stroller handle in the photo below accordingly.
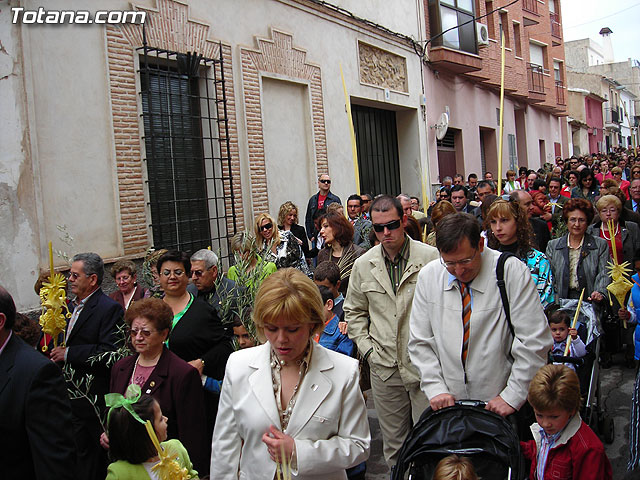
(472, 403)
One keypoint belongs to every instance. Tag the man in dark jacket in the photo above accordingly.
(322, 199)
(36, 433)
(91, 330)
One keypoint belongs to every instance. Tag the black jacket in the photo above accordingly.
(312, 207)
(36, 432)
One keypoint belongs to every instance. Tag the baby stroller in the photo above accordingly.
(588, 369)
(466, 429)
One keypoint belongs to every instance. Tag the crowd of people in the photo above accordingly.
(262, 371)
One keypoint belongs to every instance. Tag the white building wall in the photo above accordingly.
(19, 217)
(57, 164)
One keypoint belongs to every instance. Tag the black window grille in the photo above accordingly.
(377, 145)
(186, 138)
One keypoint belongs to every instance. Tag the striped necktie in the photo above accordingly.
(466, 317)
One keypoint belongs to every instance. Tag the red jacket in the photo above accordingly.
(578, 454)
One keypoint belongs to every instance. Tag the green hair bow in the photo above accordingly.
(131, 396)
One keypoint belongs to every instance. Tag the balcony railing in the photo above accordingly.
(556, 31)
(615, 115)
(612, 115)
(535, 77)
(560, 92)
(530, 6)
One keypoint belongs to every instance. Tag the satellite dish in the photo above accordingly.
(442, 125)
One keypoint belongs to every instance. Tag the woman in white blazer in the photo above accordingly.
(289, 400)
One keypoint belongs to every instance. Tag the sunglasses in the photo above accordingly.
(326, 182)
(379, 228)
(267, 226)
(145, 333)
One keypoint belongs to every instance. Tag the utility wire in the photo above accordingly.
(602, 18)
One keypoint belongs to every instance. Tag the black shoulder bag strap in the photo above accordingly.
(503, 289)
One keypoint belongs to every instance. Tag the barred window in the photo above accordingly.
(186, 140)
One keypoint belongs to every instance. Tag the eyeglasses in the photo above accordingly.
(145, 333)
(177, 273)
(392, 225)
(267, 226)
(124, 278)
(75, 276)
(326, 182)
(366, 201)
(464, 262)
(609, 210)
(576, 220)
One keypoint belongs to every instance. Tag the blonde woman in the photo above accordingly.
(279, 247)
(289, 401)
(288, 221)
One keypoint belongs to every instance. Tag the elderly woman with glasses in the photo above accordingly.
(124, 274)
(625, 235)
(587, 188)
(578, 259)
(171, 381)
(279, 246)
(626, 238)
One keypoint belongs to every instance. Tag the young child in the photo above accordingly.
(560, 325)
(327, 273)
(332, 336)
(130, 446)
(241, 335)
(564, 447)
(454, 467)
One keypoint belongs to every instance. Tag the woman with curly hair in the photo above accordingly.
(339, 248)
(288, 221)
(279, 246)
(508, 230)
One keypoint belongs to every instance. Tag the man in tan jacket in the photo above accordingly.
(377, 308)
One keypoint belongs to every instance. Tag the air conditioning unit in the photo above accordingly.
(482, 32)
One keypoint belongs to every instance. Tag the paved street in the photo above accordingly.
(617, 385)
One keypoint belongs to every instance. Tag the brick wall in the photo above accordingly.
(516, 83)
(277, 55)
(167, 27)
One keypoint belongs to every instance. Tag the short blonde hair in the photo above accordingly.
(285, 209)
(256, 226)
(553, 387)
(454, 467)
(288, 294)
(607, 201)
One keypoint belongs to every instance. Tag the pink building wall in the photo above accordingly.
(593, 116)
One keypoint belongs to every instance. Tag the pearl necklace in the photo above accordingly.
(604, 235)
